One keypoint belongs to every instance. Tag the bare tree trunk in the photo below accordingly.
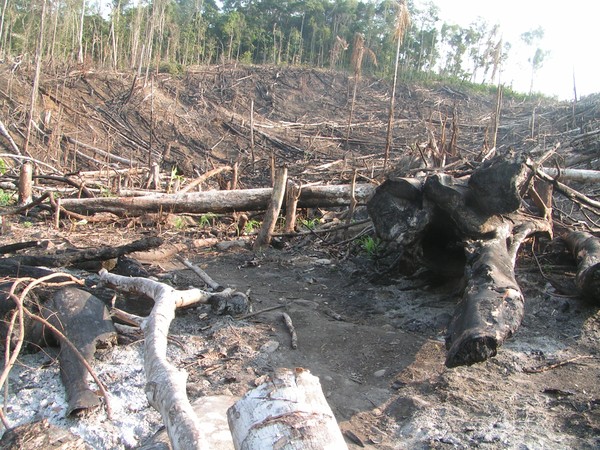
(25, 184)
(36, 79)
(291, 203)
(80, 37)
(264, 235)
(2, 43)
(388, 139)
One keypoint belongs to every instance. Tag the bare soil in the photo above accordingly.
(377, 346)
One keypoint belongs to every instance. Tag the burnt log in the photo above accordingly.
(41, 435)
(464, 228)
(497, 186)
(84, 320)
(492, 306)
(585, 247)
(79, 255)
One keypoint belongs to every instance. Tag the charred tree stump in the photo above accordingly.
(470, 227)
(586, 250)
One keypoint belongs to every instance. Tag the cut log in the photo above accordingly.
(586, 250)
(217, 201)
(288, 411)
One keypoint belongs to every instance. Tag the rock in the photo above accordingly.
(269, 346)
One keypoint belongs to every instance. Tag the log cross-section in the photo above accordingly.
(289, 411)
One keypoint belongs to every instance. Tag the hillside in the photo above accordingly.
(376, 344)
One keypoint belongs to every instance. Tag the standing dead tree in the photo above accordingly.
(402, 25)
(358, 52)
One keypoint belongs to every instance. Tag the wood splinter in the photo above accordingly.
(290, 326)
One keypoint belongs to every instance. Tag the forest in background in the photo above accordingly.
(170, 35)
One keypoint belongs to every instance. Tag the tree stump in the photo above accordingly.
(470, 227)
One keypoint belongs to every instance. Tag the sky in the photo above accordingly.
(571, 35)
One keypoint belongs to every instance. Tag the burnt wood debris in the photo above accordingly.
(468, 226)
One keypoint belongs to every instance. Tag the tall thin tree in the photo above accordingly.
(402, 25)
(80, 35)
(356, 60)
(36, 79)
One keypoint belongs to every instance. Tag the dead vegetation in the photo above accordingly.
(194, 159)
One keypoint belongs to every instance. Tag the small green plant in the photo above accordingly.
(3, 167)
(370, 245)
(6, 198)
(27, 224)
(106, 192)
(179, 223)
(311, 224)
(207, 220)
(251, 226)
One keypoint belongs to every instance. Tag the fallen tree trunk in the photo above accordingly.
(217, 201)
(166, 385)
(578, 175)
(79, 256)
(586, 250)
(287, 411)
(492, 305)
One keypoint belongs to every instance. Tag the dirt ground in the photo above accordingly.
(377, 349)
(376, 346)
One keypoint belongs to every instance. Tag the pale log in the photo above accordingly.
(578, 175)
(166, 384)
(25, 184)
(266, 230)
(288, 411)
(217, 201)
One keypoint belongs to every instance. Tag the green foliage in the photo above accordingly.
(171, 36)
(180, 223)
(105, 192)
(3, 167)
(6, 198)
(370, 245)
(171, 68)
(251, 226)
(207, 220)
(311, 224)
